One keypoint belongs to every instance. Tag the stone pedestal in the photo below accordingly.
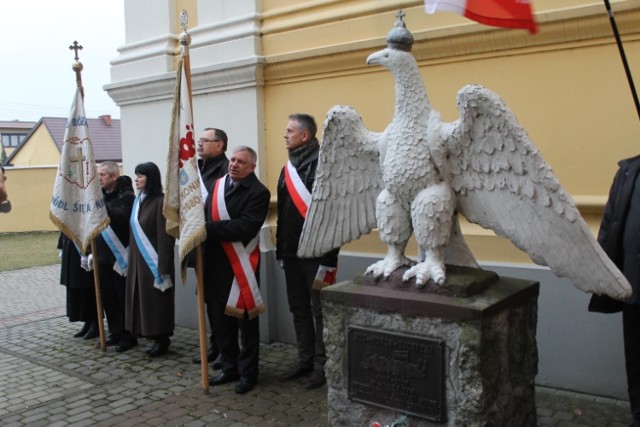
(464, 354)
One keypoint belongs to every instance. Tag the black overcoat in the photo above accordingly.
(248, 206)
(611, 231)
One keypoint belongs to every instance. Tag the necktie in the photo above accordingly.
(230, 185)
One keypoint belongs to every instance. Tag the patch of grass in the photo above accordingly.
(24, 250)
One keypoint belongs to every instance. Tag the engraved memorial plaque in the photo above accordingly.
(397, 371)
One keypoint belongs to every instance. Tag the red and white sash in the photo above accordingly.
(297, 190)
(245, 294)
(326, 276)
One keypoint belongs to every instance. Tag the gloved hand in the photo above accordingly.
(86, 262)
(326, 276)
(167, 283)
(281, 263)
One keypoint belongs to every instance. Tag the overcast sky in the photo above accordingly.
(36, 78)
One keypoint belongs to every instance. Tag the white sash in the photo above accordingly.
(117, 248)
(144, 245)
(297, 190)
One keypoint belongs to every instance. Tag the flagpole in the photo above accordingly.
(96, 281)
(77, 68)
(185, 40)
(614, 26)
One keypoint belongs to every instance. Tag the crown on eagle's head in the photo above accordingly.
(399, 37)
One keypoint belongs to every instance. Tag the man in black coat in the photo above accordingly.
(304, 277)
(213, 164)
(234, 212)
(119, 196)
(619, 236)
(81, 295)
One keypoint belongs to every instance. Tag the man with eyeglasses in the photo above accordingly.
(213, 164)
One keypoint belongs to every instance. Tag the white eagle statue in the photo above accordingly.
(420, 172)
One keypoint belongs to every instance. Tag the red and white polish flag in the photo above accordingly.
(497, 13)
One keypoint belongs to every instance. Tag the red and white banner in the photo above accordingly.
(183, 204)
(498, 13)
(245, 293)
(77, 205)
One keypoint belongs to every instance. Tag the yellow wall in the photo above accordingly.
(39, 149)
(30, 192)
(566, 84)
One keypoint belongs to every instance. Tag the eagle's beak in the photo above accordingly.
(374, 58)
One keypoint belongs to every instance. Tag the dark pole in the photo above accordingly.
(623, 56)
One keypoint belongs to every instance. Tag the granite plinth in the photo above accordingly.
(488, 344)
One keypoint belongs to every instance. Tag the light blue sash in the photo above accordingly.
(117, 248)
(144, 245)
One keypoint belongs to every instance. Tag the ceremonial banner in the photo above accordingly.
(183, 203)
(77, 205)
(498, 13)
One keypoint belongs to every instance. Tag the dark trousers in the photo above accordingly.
(112, 289)
(236, 359)
(306, 308)
(213, 347)
(631, 330)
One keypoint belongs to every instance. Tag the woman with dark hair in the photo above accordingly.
(150, 296)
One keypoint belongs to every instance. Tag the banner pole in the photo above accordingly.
(185, 40)
(96, 282)
(202, 328)
(623, 56)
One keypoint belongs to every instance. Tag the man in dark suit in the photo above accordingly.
(213, 164)
(235, 211)
(619, 236)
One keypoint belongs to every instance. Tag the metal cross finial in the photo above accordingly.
(76, 47)
(400, 14)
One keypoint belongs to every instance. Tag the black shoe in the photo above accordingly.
(217, 364)
(82, 332)
(151, 348)
(223, 378)
(162, 346)
(316, 379)
(211, 356)
(126, 343)
(245, 385)
(93, 332)
(296, 372)
(113, 340)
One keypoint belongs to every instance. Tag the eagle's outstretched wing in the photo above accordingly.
(348, 180)
(503, 184)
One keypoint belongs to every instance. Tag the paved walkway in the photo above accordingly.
(49, 378)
